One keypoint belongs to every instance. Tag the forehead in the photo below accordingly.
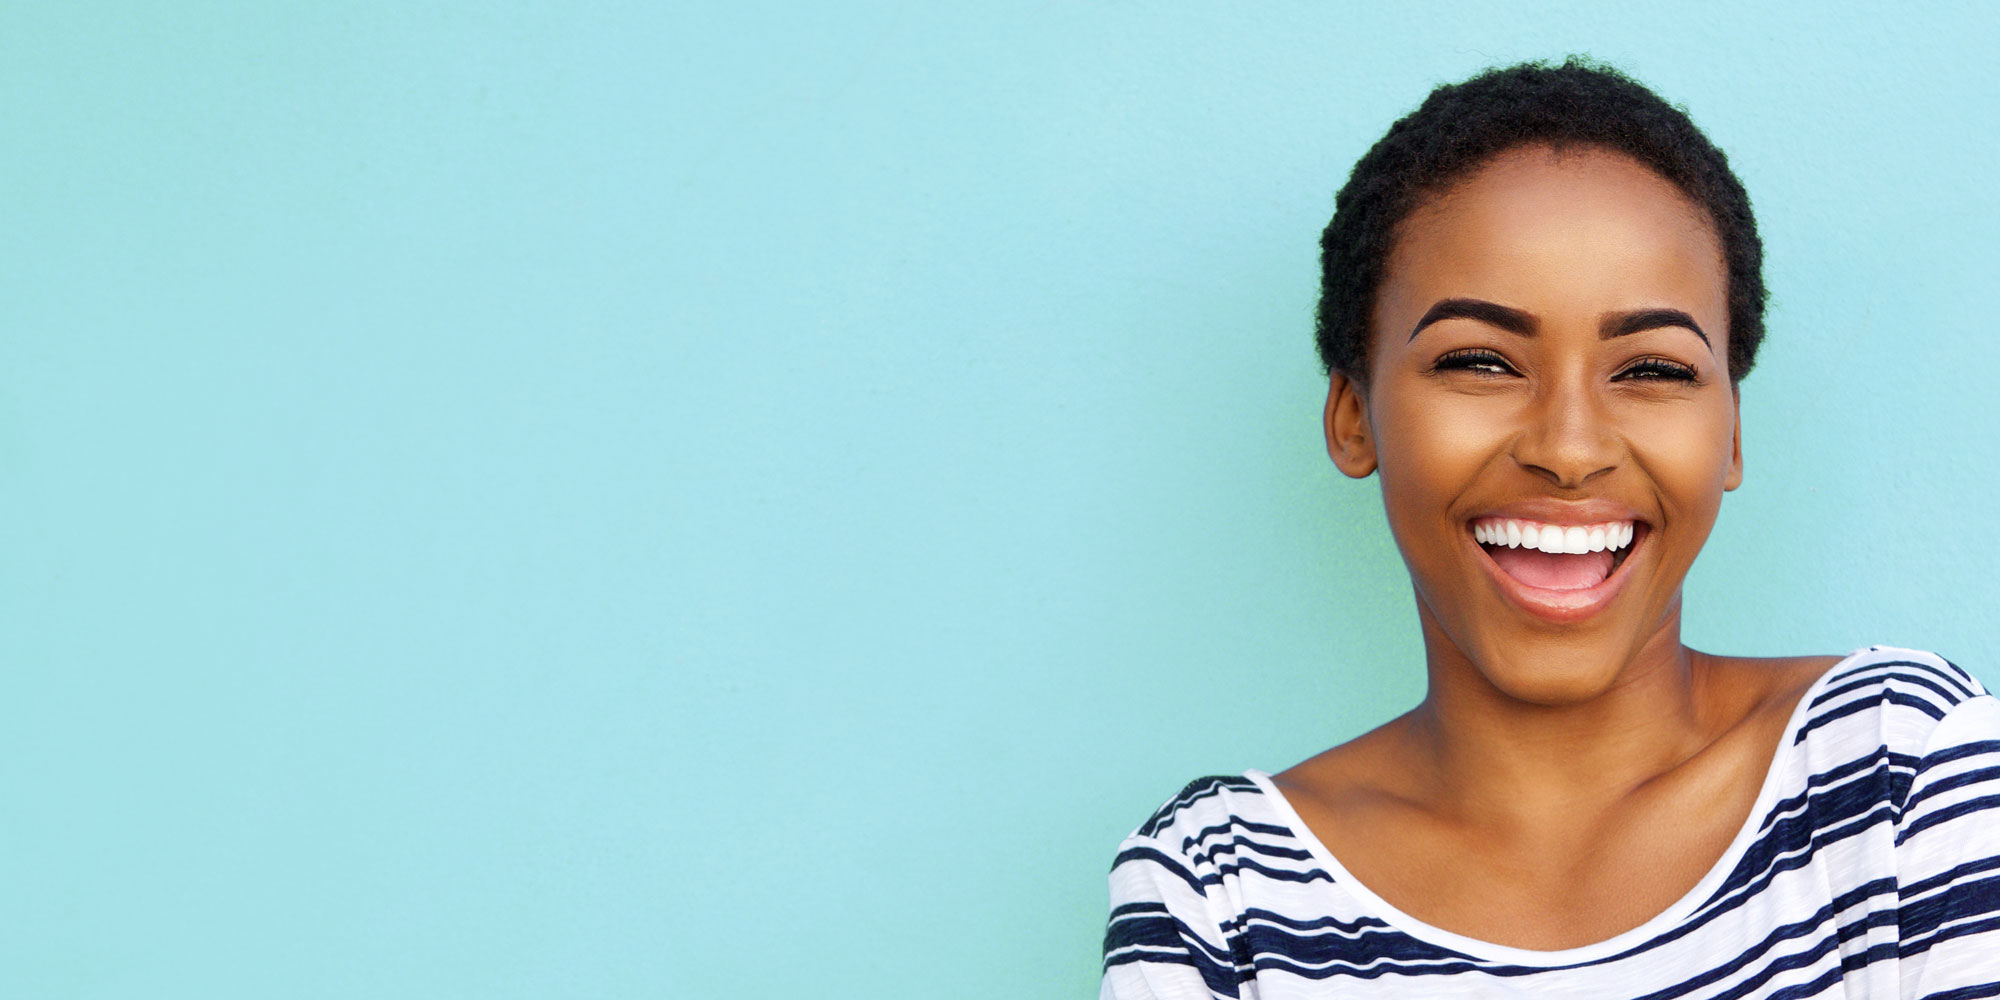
(1577, 231)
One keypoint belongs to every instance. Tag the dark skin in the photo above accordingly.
(1561, 782)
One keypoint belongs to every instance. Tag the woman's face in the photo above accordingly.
(1548, 372)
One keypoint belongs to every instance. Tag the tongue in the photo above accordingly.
(1554, 572)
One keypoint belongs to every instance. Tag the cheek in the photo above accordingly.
(1430, 456)
(1689, 460)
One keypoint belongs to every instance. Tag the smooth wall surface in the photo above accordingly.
(620, 500)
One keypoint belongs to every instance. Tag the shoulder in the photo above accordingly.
(1896, 695)
(1906, 719)
(1910, 668)
(1168, 905)
(1203, 802)
(1196, 831)
(1213, 830)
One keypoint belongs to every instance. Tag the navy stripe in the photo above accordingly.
(1860, 705)
(1270, 962)
(1151, 957)
(1949, 933)
(1950, 812)
(1859, 928)
(1220, 981)
(1278, 874)
(1968, 899)
(1953, 875)
(1288, 853)
(1757, 951)
(1972, 992)
(1330, 946)
(1160, 858)
(1863, 892)
(1162, 931)
(1234, 823)
(1195, 791)
(1962, 691)
(1970, 680)
(1812, 841)
(1811, 827)
(1943, 785)
(1314, 924)
(1950, 698)
(1165, 939)
(1895, 763)
(1796, 960)
(1959, 752)
(1825, 982)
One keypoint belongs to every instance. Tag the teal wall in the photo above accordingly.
(601, 500)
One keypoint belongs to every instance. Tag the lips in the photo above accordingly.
(1561, 587)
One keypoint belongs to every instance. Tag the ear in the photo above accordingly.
(1349, 440)
(1735, 477)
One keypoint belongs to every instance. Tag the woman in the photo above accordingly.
(1540, 291)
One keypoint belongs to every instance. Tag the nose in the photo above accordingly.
(1569, 439)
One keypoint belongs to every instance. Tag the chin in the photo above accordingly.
(1554, 676)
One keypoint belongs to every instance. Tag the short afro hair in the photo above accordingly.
(1461, 126)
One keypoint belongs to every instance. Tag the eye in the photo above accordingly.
(1658, 370)
(1474, 360)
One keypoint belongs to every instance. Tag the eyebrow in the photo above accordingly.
(1520, 322)
(1490, 313)
(1620, 324)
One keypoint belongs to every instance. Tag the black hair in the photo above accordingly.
(1461, 126)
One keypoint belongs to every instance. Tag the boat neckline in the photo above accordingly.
(1676, 912)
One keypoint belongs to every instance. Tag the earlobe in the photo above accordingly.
(1735, 477)
(1350, 442)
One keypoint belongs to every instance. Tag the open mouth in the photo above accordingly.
(1558, 557)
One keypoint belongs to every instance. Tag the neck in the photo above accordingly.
(1495, 757)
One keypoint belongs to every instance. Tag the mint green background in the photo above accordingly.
(610, 500)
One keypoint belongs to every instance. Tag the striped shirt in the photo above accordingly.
(1869, 867)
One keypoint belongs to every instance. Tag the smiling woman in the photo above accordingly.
(1542, 290)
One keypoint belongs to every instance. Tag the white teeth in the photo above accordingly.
(1554, 538)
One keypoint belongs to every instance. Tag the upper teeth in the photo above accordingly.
(1554, 538)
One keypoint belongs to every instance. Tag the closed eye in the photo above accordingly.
(1659, 370)
(1474, 361)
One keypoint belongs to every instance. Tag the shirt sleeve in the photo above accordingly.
(1161, 942)
(1948, 859)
